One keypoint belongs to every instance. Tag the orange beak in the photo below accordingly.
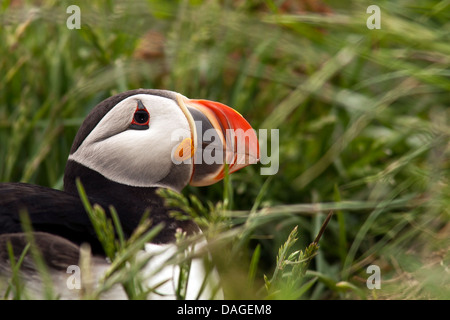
(221, 137)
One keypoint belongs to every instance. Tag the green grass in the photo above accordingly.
(363, 118)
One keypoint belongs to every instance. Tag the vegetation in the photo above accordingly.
(363, 118)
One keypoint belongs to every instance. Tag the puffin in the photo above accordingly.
(128, 147)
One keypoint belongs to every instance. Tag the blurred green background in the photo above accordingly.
(363, 118)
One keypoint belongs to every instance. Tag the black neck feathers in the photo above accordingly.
(130, 202)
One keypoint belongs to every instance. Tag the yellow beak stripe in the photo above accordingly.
(185, 150)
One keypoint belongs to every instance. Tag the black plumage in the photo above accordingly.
(62, 212)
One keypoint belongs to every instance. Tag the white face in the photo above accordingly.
(141, 158)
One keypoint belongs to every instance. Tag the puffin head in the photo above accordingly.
(157, 138)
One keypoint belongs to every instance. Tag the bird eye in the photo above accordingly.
(141, 118)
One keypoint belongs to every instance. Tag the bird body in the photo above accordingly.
(128, 147)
